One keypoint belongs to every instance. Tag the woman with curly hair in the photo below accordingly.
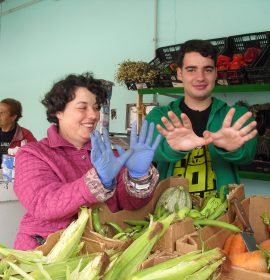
(74, 166)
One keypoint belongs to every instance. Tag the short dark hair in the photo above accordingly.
(15, 107)
(204, 47)
(63, 92)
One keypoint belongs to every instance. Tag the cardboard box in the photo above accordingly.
(194, 240)
(50, 242)
(92, 245)
(175, 231)
(158, 257)
(95, 242)
(167, 242)
(254, 207)
(140, 214)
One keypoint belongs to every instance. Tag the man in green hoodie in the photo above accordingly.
(204, 139)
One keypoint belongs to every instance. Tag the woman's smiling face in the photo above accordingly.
(79, 118)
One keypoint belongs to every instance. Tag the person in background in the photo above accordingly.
(54, 177)
(12, 135)
(204, 139)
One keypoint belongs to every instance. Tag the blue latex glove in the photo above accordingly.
(104, 160)
(143, 150)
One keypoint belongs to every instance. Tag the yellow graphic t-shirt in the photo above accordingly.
(197, 168)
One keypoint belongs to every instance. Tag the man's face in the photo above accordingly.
(198, 74)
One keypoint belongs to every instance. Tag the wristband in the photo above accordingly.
(143, 181)
(140, 186)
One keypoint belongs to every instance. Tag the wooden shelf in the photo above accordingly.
(246, 88)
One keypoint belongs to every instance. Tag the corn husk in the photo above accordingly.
(59, 270)
(69, 243)
(180, 267)
(130, 260)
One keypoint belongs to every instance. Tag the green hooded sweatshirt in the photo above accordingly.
(225, 164)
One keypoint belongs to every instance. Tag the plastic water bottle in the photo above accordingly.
(8, 166)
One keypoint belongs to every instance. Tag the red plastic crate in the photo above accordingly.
(239, 44)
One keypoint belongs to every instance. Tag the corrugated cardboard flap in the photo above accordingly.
(50, 242)
(254, 207)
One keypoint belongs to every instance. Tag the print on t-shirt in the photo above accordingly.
(197, 168)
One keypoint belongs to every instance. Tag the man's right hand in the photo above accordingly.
(179, 134)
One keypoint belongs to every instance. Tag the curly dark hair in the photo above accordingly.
(204, 47)
(63, 92)
(15, 107)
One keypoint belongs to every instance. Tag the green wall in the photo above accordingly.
(43, 42)
(180, 20)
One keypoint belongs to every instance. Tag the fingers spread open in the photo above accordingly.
(95, 152)
(168, 125)
(186, 121)
(156, 143)
(162, 130)
(99, 142)
(248, 128)
(133, 134)
(106, 139)
(175, 120)
(240, 122)
(228, 119)
(249, 136)
(150, 134)
(143, 132)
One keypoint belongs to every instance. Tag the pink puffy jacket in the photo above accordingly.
(53, 180)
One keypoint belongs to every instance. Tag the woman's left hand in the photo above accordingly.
(143, 149)
(106, 163)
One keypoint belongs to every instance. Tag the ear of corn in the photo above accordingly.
(69, 243)
(178, 268)
(94, 268)
(113, 258)
(75, 273)
(44, 272)
(206, 272)
(128, 262)
(33, 265)
(169, 263)
(58, 270)
(20, 271)
(28, 257)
